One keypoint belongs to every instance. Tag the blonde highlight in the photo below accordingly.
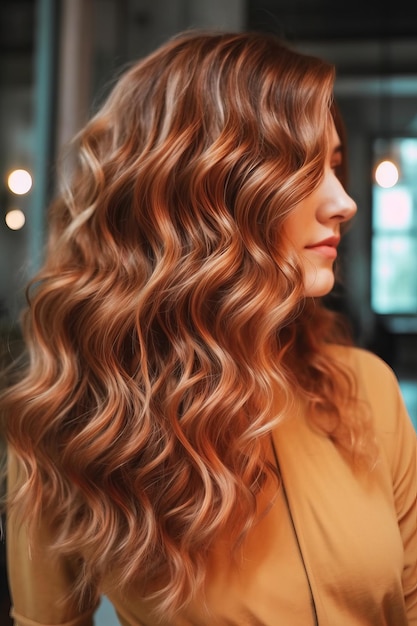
(169, 315)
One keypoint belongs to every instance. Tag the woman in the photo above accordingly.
(193, 436)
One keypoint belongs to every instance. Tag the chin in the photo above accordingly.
(319, 285)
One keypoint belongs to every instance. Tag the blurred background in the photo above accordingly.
(57, 61)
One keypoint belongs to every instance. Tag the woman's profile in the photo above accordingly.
(194, 434)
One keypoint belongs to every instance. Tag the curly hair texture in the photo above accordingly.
(168, 321)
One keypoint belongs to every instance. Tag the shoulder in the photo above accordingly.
(375, 381)
(367, 367)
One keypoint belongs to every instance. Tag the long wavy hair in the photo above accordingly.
(169, 314)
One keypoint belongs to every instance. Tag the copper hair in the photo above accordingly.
(169, 314)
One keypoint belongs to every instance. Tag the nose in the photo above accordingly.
(340, 206)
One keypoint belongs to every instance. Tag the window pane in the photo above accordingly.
(394, 230)
(394, 274)
(392, 208)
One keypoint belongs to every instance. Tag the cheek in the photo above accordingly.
(300, 224)
(318, 276)
(292, 228)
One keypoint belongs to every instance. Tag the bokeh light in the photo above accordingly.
(19, 182)
(386, 174)
(15, 219)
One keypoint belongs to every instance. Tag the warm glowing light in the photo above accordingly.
(19, 182)
(386, 174)
(15, 219)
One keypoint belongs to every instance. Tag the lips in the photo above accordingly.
(326, 247)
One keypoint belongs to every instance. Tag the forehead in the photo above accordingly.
(334, 138)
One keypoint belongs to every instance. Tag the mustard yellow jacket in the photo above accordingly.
(334, 549)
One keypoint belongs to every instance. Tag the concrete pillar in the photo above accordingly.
(75, 69)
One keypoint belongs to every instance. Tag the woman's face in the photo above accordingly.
(313, 227)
